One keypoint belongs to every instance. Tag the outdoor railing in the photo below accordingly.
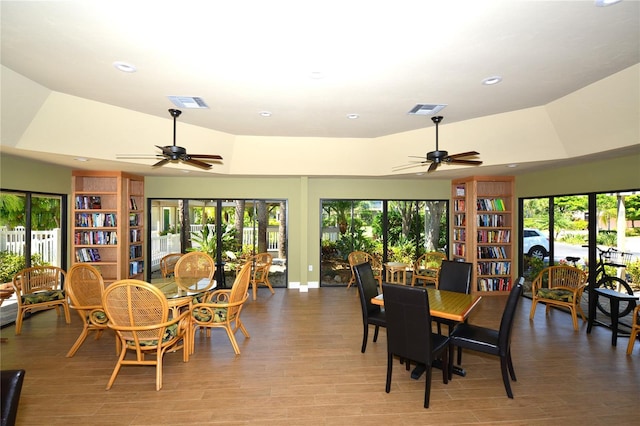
(47, 244)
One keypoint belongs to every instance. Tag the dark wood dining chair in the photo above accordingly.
(490, 341)
(454, 276)
(371, 314)
(10, 388)
(409, 332)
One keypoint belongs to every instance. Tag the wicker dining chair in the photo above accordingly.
(222, 309)
(635, 329)
(359, 257)
(427, 268)
(139, 314)
(85, 287)
(38, 288)
(168, 263)
(195, 271)
(261, 264)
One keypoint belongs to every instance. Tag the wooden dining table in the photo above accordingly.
(443, 304)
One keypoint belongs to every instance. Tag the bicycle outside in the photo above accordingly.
(604, 280)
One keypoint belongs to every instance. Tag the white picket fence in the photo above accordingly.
(45, 243)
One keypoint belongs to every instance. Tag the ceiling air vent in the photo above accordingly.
(426, 109)
(188, 102)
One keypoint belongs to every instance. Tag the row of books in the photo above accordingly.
(136, 267)
(493, 220)
(96, 237)
(494, 268)
(135, 235)
(135, 251)
(458, 205)
(134, 219)
(497, 252)
(488, 204)
(132, 204)
(459, 249)
(459, 234)
(501, 236)
(459, 219)
(87, 255)
(494, 284)
(88, 202)
(96, 220)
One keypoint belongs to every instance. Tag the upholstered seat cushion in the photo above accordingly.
(555, 294)
(170, 333)
(204, 314)
(427, 272)
(98, 317)
(42, 296)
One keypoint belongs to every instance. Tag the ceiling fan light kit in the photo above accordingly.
(437, 157)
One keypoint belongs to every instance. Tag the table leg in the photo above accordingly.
(593, 300)
(615, 304)
(419, 369)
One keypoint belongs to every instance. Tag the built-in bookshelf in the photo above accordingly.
(482, 230)
(108, 223)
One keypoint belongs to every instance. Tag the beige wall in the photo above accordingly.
(304, 193)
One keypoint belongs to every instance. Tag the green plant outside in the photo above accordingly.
(11, 264)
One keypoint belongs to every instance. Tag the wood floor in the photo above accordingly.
(303, 366)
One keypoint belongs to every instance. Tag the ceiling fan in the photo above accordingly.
(438, 157)
(177, 153)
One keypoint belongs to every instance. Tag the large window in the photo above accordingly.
(32, 231)
(393, 230)
(229, 230)
(556, 227)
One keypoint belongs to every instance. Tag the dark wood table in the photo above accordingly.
(614, 299)
(443, 304)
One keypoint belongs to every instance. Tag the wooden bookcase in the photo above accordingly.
(107, 223)
(482, 231)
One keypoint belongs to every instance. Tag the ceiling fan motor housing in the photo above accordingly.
(437, 156)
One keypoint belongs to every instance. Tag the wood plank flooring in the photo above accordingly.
(303, 366)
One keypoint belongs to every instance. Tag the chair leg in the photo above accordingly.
(365, 337)
(574, 318)
(79, 341)
(19, 318)
(375, 333)
(505, 377)
(512, 372)
(445, 366)
(387, 387)
(450, 363)
(632, 339)
(427, 386)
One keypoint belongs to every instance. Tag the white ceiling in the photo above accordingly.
(377, 59)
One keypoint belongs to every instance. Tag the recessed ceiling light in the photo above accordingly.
(125, 67)
(265, 114)
(353, 116)
(316, 75)
(605, 3)
(419, 174)
(511, 166)
(81, 159)
(185, 171)
(490, 81)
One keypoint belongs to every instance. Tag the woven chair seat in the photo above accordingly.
(42, 296)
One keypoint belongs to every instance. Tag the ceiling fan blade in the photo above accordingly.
(134, 156)
(470, 162)
(408, 166)
(205, 156)
(161, 163)
(464, 154)
(197, 163)
(432, 167)
(165, 149)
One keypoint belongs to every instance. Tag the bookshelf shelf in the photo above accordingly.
(482, 230)
(108, 223)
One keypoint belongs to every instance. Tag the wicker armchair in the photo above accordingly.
(560, 286)
(358, 257)
(222, 309)
(635, 329)
(38, 288)
(139, 314)
(261, 263)
(168, 263)
(85, 287)
(195, 271)
(427, 268)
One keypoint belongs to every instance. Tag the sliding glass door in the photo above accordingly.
(393, 230)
